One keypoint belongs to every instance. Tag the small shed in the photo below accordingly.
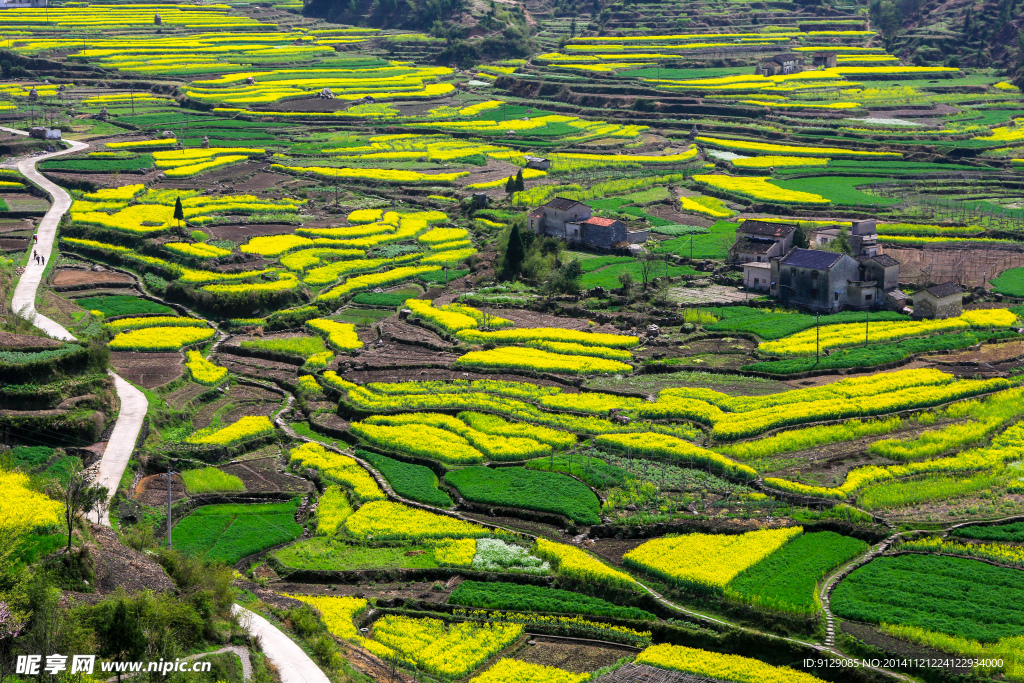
(825, 60)
(939, 301)
(538, 163)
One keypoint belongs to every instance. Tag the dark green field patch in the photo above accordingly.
(527, 489)
(227, 533)
(121, 304)
(415, 482)
(511, 596)
(786, 579)
(950, 595)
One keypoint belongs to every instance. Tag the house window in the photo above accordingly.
(814, 294)
(814, 275)
(836, 296)
(758, 259)
(792, 272)
(756, 281)
(867, 297)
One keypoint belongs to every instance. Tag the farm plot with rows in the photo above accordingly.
(521, 341)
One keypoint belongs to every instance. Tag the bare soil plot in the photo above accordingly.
(239, 232)
(707, 296)
(180, 397)
(405, 375)
(150, 370)
(400, 331)
(23, 201)
(258, 368)
(13, 243)
(643, 673)
(571, 655)
(263, 475)
(152, 490)
(523, 318)
(120, 567)
(392, 355)
(9, 340)
(988, 353)
(73, 278)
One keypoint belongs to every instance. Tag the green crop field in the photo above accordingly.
(786, 579)
(511, 596)
(123, 305)
(369, 214)
(959, 597)
(336, 555)
(528, 489)
(414, 482)
(227, 533)
(1012, 532)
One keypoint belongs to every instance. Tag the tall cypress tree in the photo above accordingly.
(510, 185)
(520, 185)
(179, 212)
(512, 264)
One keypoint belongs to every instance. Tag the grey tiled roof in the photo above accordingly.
(562, 204)
(945, 289)
(811, 258)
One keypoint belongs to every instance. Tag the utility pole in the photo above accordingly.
(867, 323)
(817, 338)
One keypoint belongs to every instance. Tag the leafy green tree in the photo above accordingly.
(78, 495)
(520, 184)
(510, 185)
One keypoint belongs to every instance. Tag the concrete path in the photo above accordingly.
(121, 443)
(292, 663)
(134, 405)
(24, 300)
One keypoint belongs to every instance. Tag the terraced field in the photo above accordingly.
(532, 342)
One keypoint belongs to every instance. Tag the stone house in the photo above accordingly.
(780, 65)
(883, 269)
(864, 238)
(571, 220)
(551, 218)
(761, 241)
(827, 281)
(939, 301)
